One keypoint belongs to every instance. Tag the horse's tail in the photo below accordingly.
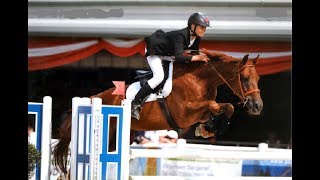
(61, 149)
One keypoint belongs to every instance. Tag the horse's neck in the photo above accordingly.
(223, 70)
(200, 74)
(185, 74)
(207, 71)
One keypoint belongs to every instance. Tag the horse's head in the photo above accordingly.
(241, 77)
(247, 81)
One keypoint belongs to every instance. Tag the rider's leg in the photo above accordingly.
(167, 88)
(139, 99)
(158, 75)
(155, 64)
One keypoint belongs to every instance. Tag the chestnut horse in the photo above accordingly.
(192, 98)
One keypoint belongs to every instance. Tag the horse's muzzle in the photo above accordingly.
(255, 107)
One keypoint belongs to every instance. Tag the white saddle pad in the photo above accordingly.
(135, 87)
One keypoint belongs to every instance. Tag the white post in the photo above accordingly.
(76, 102)
(74, 124)
(95, 145)
(126, 139)
(46, 138)
(263, 147)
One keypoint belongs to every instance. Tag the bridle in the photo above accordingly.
(244, 96)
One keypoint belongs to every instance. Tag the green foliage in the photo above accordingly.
(34, 157)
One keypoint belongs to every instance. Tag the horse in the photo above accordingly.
(192, 99)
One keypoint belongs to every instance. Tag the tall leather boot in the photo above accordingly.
(139, 99)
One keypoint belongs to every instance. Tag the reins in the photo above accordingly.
(244, 95)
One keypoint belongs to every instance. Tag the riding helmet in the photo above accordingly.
(198, 18)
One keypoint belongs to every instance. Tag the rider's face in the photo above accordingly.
(200, 30)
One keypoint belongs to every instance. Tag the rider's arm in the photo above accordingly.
(201, 57)
(178, 52)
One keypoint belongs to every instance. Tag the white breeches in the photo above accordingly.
(158, 73)
(157, 70)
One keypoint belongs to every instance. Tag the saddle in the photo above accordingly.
(144, 76)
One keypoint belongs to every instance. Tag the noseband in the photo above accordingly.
(244, 96)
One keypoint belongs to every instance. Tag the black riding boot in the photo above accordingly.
(139, 99)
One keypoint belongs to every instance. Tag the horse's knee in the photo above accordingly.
(215, 108)
(228, 110)
(230, 107)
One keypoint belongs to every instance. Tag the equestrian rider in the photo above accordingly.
(172, 43)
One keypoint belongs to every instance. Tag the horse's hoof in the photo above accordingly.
(201, 131)
(197, 131)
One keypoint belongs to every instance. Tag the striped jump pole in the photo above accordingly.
(43, 115)
(90, 157)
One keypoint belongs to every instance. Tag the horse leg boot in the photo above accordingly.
(212, 127)
(139, 99)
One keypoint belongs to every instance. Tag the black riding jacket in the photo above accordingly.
(171, 43)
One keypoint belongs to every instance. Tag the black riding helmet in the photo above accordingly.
(198, 19)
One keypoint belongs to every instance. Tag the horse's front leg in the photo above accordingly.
(226, 108)
(214, 107)
(210, 128)
(215, 124)
(199, 108)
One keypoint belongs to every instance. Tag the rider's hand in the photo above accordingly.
(201, 57)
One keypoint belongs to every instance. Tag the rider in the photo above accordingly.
(172, 43)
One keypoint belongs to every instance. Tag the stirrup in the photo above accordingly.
(135, 116)
(135, 112)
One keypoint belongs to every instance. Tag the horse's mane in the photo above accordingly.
(215, 57)
(218, 56)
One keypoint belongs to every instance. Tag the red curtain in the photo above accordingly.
(45, 53)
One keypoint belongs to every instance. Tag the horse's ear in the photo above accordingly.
(255, 60)
(245, 59)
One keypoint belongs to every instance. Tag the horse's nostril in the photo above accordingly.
(255, 106)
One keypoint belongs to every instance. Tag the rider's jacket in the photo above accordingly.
(171, 43)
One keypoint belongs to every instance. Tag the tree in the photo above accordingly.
(34, 157)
